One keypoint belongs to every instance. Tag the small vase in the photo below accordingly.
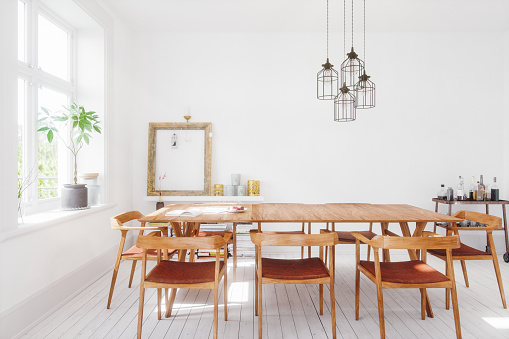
(74, 197)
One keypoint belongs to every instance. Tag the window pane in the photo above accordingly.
(21, 31)
(53, 52)
(48, 152)
(21, 130)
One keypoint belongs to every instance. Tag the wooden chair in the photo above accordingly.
(469, 253)
(134, 253)
(180, 274)
(346, 237)
(293, 271)
(406, 274)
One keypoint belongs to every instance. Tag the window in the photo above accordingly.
(45, 73)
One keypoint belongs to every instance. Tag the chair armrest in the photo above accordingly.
(154, 234)
(227, 236)
(140, 228)
(362, 238)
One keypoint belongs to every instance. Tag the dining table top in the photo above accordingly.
(300, 212)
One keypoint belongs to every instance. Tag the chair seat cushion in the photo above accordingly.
(409, 272)
(178, 272)
(211, 233)
(283, 232)
(463, 250)
(348, 237)
(293, 269)
(136, 251)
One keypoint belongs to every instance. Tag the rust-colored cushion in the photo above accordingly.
(348, 237)
(309, 268)
(409, 272)
(463, 250)
(177, 272)
(138, 251)
(211, 233)
(283, 232)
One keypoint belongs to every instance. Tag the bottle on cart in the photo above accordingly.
(472, 191)
(460, 195)
(482, 188)
(479, 196)
(495, 192)
(442, 194)
(450, 194)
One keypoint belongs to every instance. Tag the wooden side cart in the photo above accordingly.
(502, 203)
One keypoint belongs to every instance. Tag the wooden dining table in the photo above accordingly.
(333, 213)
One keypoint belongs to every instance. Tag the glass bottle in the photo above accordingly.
(472, 190)
(479, 196)
(482, 189)
(460, 195)
(495, 192)
(442, 194)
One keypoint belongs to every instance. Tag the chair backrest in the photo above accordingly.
(263, 239)
(490, 220)
(117, 222)
(178, 243)
(413, 243)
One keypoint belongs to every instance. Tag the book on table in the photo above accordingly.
(192, 212)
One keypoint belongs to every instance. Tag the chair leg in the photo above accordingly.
(159, 303)
(381, 316)
(133, 267)
(225, 296)
(447, 291)
(216, 301)
(140, 310)
(369, 247)
(357, 290)
(115, 268)
(260, 312)
(456, 311)
(170, 302)
(320, 289)
(499, 280)
(256, 292)
(423, 303)
(333, 309)
(464, 268)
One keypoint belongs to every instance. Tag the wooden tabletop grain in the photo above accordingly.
(295, 212)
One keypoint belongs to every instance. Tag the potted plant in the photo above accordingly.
(79, 125)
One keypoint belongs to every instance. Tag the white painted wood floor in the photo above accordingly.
(290, 311)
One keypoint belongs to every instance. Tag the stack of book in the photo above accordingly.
(211, 253)
(245, 247)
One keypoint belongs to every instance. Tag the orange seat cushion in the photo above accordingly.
(178, 272)
(348, 237)
(463, 250)
(211, 233)
(406, 272)
(138, 251)
(309, 268)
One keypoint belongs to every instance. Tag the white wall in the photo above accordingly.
(45, 266)
(439, 113)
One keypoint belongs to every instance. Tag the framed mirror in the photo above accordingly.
(179, 158)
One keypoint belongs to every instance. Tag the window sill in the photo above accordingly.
(42, 220)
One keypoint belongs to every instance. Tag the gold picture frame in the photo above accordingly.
(182, 164)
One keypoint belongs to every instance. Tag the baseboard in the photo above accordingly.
(20, 318)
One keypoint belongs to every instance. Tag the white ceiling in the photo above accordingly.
(310, 15)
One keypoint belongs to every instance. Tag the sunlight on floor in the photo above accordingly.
(501, 323)
(239, 292)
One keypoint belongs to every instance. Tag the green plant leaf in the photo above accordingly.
(43, 129)
(50, 136)
(98, 129)
(86, 138)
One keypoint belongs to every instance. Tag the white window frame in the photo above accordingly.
(36, 78)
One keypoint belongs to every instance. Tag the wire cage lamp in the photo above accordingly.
(365, 88)
(327, 80)
(352, 67)
(344, 105)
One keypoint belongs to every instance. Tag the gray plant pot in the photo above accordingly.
(74, 197)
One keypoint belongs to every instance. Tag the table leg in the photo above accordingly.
(506, 255)
(419, 227)
(436, 211)
(488, 249)
(309, 247)
(234, 251)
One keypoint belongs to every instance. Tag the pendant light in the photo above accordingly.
(365, 88)
(352, 67)
(344, 105)
(327, 79)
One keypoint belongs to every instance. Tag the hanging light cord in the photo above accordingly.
(344, 27)
(327, 29)
(364, 32)
(352, 23)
